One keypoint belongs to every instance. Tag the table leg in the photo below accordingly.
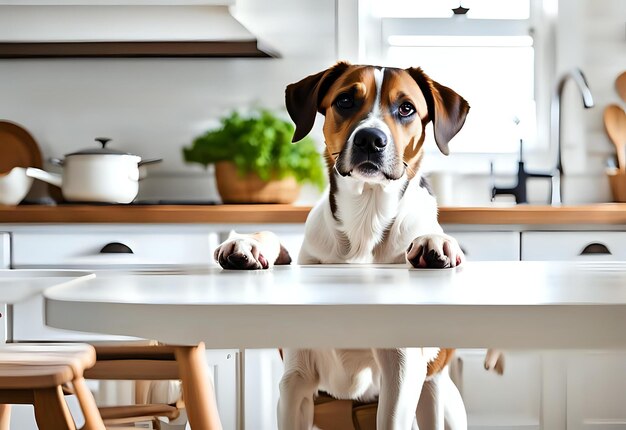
(198, 393)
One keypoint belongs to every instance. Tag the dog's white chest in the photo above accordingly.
(348, 374)
(366, 212)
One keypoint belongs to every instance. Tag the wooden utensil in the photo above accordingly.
(620, 85)
(615, 125)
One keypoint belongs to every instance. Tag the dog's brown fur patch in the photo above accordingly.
(440, 362)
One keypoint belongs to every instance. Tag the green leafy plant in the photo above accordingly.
(259, 143)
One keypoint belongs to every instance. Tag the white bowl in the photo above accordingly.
(14, 186)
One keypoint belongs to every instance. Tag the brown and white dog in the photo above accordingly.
(377, 210)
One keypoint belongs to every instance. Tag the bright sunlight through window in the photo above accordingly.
(487, 56)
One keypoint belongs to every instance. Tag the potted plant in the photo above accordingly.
(255, 161)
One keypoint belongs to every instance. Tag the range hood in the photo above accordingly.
(46, 31)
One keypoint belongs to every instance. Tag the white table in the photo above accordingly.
(19, 285)
(497, 304)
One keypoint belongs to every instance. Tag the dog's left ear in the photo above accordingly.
(446, 109)
(304, 97)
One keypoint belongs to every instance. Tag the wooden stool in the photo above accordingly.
(34, 374)
(159, 362)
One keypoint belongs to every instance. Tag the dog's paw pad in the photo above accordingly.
(437, 251)
(240, 254)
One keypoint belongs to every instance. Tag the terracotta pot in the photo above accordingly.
(234, 188)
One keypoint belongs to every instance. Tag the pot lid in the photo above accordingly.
(104, 150)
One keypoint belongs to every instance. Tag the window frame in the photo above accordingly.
(366, 41)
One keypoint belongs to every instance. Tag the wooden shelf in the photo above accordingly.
(222, 49)
(610, 213)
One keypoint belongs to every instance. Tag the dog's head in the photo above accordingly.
(375, 117)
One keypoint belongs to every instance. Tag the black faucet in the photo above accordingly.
(519, 190)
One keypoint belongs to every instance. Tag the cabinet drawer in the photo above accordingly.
(41, 249)
(488, 245)
(570, 245)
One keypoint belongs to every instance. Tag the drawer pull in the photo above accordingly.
(595, 248)
(116, 248)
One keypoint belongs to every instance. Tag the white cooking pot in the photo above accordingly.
(14, 185)
(96, 175)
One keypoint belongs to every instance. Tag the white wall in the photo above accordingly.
(154, 107)
(592, 36)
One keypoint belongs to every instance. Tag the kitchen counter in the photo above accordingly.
(598, 214)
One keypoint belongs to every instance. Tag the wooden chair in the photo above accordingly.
(153, 361)
(35, 373)
(39, 374)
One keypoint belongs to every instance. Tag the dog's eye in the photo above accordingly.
(406, 109)
(344, 101)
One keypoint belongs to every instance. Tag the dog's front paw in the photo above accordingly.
(434, 251)
(241, 254)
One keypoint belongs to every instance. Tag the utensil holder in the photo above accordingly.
(617, 180)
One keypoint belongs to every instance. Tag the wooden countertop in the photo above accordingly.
(608, 213)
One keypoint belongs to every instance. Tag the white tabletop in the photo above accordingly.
(20, 285)
(495, 304)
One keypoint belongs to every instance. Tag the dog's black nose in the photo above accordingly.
(370, 139)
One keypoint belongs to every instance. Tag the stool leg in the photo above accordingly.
(198, 393)
(5, 416)
(93, 420)
(51, 411)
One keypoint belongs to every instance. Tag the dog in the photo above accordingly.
(377, 209)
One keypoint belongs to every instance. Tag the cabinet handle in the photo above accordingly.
(116, 248)
(595, 248)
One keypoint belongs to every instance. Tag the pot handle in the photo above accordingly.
(42, 175)
(150, 161)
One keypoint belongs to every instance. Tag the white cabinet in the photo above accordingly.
(488, 245)
(574, 245)
(5, 263)
(593, 394)
(512, 400)
(596, 391)
(111, 248)
(224, 367)
(263, 370)
(508, 401)
(5, 251)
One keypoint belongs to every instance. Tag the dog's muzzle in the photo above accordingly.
(370, 140)
(368, 151)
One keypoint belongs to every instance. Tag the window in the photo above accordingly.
(487, 55)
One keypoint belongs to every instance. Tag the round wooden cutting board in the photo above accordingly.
(17, 148)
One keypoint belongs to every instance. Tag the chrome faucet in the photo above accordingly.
(555, 124)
